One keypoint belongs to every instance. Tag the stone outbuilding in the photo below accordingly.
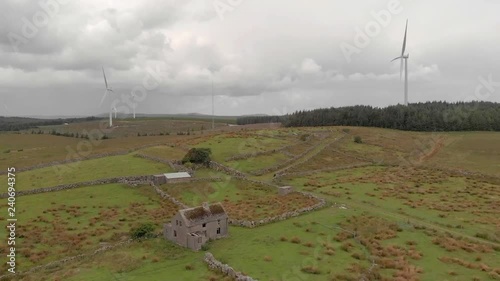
(193, 227)
(171, 178)
(284, 190)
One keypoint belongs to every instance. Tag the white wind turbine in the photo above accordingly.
(404, 60)
(108, 89)
(213, 111)
(114, 109)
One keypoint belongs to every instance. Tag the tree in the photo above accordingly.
(198, 156)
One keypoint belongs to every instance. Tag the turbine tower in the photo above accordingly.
(404, 60)
(213, 116)
(108, 89)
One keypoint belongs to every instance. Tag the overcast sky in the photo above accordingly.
(264, 56)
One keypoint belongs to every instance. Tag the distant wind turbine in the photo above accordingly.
(108, 89)
(404, 60)
(213, 112)
(114, 109)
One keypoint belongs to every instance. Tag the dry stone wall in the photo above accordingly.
(83, 158)
(132, 180)
(255, 154)
(227, 170)
(225, 269)
(251, 224)
(70, 259)
(167, 196)
(302, 159)
(305, 173)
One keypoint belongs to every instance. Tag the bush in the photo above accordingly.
(346, 130)
(205, 247)
(304, 137)
(145, 230)
(198, 156)
(357, 139)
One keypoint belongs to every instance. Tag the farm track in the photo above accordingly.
(414, 220)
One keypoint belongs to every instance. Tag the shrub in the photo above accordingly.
(304, 137)
(357, 139)
(145, 230)
(189, 267)
(311, 269)
(346, 130)
(205, 247)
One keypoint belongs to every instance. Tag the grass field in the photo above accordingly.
(415, 209)
(224, 146)
(452, 201)
(100, 168)
(58, 224)
(242, 200)
(164, 151)
(18, 150)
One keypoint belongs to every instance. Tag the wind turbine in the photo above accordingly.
(213, 115)
(114, 109)
(133, 109)
(404, 60)
(108, 89)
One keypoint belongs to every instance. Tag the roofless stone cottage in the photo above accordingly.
(193, 227)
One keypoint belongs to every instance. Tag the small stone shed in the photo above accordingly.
(284, 190)
(171, 178)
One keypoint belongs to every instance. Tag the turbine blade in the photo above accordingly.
(103, 97)
(105, 81)
(396, 58)
(404, 40)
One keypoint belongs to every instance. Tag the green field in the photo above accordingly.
(423, 207)
(241, 199)
(87, 170)
(224, 146)
(58, 224)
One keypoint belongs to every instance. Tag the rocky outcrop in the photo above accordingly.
(225, 269)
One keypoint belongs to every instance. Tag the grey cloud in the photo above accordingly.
(264, 57)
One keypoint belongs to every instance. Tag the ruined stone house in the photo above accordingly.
(193, 227)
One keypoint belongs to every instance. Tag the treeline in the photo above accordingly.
(245, 120)
(429, 116)
(23, 123)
